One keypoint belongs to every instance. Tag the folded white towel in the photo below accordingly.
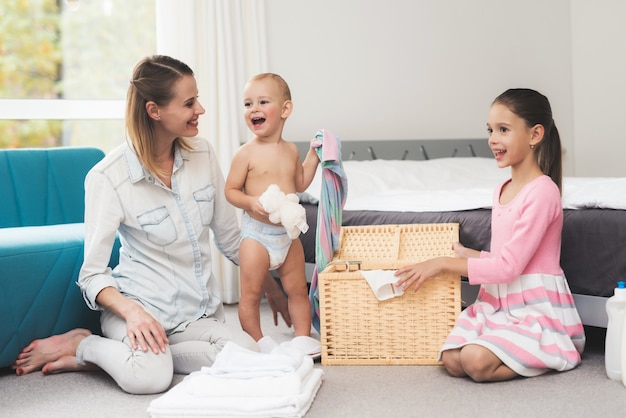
(383, 283)
(203, 384)
(178, 402)
(236, 362)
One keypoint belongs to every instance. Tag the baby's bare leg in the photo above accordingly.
(254, 263)
(46, 353)
(293, 278)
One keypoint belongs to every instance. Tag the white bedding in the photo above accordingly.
(453, 184)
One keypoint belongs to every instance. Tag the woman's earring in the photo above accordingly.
(532, 147)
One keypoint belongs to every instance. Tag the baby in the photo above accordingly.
(267, 159)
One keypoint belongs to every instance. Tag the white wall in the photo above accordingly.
(599, 88)
(429, 69)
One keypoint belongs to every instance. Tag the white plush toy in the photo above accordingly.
(285, 209)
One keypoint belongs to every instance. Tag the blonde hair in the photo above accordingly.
(282, 84)
(153, 80)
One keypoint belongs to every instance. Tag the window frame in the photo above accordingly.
(61, 109)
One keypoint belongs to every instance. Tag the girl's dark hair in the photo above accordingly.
(534, 108)
(153, 80)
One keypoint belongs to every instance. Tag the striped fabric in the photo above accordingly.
(531, 324)
(332, 200)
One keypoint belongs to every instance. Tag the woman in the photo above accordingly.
(162, 193)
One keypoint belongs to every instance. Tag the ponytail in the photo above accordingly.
(549, 156)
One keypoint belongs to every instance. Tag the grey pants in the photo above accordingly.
(141, 372)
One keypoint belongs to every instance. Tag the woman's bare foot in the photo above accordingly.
(49, 350)
(66, 364)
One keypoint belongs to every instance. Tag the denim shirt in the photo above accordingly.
(165, 257)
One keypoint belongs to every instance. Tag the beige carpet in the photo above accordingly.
(352, 391)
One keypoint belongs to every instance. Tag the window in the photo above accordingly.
(65, 67)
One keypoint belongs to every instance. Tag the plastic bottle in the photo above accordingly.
(624, 351)
(613, 349)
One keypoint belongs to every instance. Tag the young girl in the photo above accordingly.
(523, 322)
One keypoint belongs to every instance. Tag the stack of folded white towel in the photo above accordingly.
(241, 382)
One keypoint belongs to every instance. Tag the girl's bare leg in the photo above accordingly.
(482, 365)
(452, 362)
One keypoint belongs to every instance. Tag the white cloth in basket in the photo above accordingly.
(383, 283)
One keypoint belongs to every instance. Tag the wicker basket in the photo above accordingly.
(356, 328)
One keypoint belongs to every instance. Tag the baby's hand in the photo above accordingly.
(257, 208)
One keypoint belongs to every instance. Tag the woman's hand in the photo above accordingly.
(144, 331)
(276, 299)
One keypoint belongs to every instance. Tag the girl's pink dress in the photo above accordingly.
(524, 312)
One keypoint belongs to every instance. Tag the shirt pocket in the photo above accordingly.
(158, 226)
(205, 199)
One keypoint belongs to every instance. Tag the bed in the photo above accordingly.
(401, 182)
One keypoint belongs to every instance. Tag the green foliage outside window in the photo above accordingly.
(30, 62)
(70, 49)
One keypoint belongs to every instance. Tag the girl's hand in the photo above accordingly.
(145, 332)
(413, 276)
(460, 251)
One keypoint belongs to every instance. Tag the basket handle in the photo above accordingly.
(345, 265)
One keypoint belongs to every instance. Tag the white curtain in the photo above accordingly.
(223, 41)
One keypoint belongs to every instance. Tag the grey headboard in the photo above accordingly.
(409, 149)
